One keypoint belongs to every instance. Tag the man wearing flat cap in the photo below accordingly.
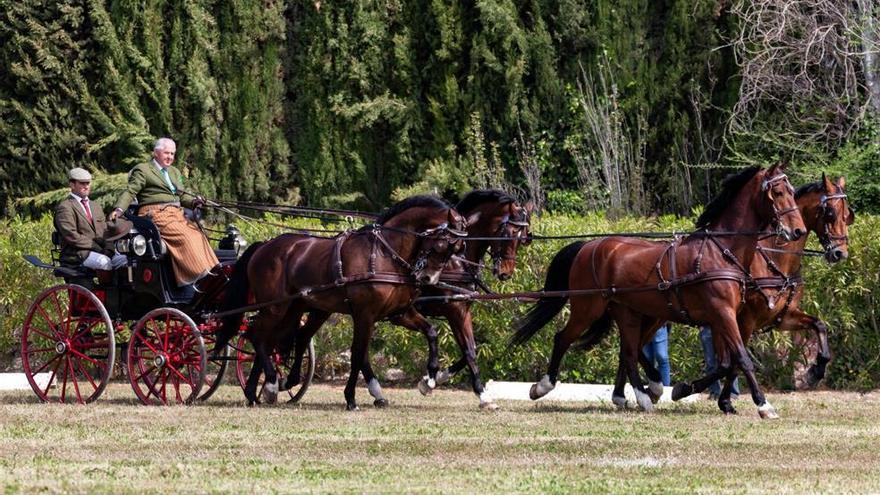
(81, 226)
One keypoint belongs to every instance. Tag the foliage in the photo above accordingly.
(92, 84)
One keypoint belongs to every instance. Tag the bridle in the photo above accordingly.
(778, 214)
(453, 237)
(827, 238)
(520, 230)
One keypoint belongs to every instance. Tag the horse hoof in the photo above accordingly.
(424, 389)
(619, 402)
(533, 392)
(726, 407)
(655, 391)
(681, 390)
(380, 403)
(251, 403)
(489, 406)
(814, 376)
(767, 412)
(352, 407)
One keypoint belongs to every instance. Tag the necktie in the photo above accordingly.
(85, 203)
(168, 180)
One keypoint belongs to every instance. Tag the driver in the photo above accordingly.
(157, 187)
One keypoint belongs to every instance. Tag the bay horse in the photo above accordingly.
(779, 287)
(700, 279)
(499, 227)
(772, 300)
(371, 273)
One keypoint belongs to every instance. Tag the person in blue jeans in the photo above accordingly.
(712, 363)
(657, 352)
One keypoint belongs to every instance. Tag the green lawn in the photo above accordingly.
(825, 442)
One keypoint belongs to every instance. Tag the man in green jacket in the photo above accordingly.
(157, 186)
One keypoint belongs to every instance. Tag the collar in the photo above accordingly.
(78, 198)
(159, 167)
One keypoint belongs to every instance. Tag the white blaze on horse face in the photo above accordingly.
(375, 389)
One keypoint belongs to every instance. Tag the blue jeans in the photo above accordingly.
(712, 362)
(657, 351)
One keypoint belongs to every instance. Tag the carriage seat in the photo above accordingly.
(59, 269)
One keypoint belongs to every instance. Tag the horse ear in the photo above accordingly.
(827, 184)
(473, 217)
(530, 206)
(841, 182)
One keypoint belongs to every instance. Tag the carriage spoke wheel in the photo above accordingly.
(245, 361)
(167, 360)
(67, 345)
(216, 367)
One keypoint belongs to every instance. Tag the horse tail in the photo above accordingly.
(548, 307)
(597, 331)
(235, 296)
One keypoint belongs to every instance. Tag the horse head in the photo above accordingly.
(503, 225)
(432, 232)
(826, 212)
(776, 204)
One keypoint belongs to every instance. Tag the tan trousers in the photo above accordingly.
(191, 254)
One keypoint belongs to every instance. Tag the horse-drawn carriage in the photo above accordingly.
(73, 332)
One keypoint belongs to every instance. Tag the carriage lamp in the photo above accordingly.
(233, 239)
(122, 246)
(139, 245)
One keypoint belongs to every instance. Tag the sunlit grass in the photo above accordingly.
(441, 444)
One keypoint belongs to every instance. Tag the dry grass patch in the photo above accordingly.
(441, 444)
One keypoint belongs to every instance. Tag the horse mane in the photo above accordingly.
(421, 201)
(730, 187)
(478, 197)
(817, 186)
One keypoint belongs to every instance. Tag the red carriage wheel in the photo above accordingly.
(216, 366)
(245, 361)
(68, 345)
(167, 360)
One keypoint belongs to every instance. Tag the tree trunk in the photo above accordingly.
(871, 65)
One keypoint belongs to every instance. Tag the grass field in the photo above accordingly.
(825, 442)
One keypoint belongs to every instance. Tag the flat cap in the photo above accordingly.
(79, 174)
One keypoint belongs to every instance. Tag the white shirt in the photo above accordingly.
(81, 206)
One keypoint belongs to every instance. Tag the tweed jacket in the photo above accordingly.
(148, 186)
(79, 236)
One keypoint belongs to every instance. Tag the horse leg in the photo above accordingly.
(314, 322)
(655, 381)
(585, 310)
(684, 389)
(413, 320)
(250, 386)
(373, 385)
(617, 395)
(797, 320)
(360, 343)
(460, 320)
(630, 327)
(270, 386)
(724, 402)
